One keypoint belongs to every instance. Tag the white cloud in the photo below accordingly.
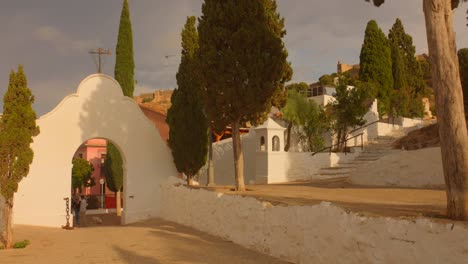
(63, 42)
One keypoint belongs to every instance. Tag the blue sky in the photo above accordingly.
(51, 38)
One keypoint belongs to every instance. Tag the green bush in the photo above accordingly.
(21, 244)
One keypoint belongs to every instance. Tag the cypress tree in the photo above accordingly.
(17, 128)
(113, 171)
(376, 64)
(243, 65)
(188, 134)
(124, 63)
(124, 74)
(408, 76)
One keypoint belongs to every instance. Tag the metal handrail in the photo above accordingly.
(350, 132)
(346, 141)
(361, 127)
(362, 141)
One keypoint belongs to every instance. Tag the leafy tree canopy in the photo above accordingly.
(328, 79)
(243, 59)
(81, 174)
(308, 119)
(348, 109)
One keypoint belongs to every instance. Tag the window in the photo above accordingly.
(262, 143)
(276, 143)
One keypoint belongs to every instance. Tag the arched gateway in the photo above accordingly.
(97, 110)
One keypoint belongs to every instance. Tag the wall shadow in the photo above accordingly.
(132, 258)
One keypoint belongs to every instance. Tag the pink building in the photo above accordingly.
(94, 151)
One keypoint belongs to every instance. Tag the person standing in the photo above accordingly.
(82, 213)
(76, 210)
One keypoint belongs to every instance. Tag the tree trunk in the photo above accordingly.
(189, 180)
(118, 203)
(449, 104)
(288, 141)
(210, 176)
(238, 156)
(6, 235)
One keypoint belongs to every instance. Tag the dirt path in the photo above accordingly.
(372, 201)
(155, 241)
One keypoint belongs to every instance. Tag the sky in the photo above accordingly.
(52, 38)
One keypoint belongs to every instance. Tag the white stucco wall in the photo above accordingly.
(97, 110)
(314, 234)
(223, 158)
(416, 168)
(304, 166)
(322, 99)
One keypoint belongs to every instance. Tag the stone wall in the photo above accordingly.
(223, 158)
(416, 168)
(321, 233)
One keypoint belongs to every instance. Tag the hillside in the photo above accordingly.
(425, 137)
(158, 101)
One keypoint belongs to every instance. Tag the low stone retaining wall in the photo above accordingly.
(321, 233)
(415, 168)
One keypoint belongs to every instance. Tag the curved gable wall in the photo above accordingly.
(98, 109)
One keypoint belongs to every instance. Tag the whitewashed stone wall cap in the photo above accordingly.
(270, 124)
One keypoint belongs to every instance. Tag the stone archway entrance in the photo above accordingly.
(97, 110)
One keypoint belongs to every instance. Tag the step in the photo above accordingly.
(333, 173)
(327, 177)
(329, 171)
(366, 159)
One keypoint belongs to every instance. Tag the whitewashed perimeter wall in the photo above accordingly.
(294, 165)
(304, 166)
(314, 234)
(223, 159)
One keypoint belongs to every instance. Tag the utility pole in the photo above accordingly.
(100, 52)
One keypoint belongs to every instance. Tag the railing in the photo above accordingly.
(346, 141)
(361, 127)
(330, 148)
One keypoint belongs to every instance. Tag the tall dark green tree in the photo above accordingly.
(113, 170)
(463, 62)
(188, 125)
(438, 15)
(376, 64)
(124, 73)
(124, 63)
(243, 64)
(17, 129)
(409, 85)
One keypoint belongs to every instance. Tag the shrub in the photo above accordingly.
(21, 244)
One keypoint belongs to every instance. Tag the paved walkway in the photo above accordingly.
(155, 241)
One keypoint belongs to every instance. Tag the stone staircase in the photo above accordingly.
(373, 151)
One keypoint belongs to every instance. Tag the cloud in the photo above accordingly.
(64, 42)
